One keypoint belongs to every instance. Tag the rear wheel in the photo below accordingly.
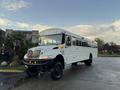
(75, 64)
(31, 72)
(89, 61)
(57, 71)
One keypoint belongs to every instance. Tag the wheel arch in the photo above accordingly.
(91, 55)
(60, 58)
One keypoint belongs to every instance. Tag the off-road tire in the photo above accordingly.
(57, 71)
(89, 61)
(31, 72)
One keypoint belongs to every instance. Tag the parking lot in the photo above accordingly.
(104, 74)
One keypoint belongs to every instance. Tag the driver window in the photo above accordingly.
(68, 41)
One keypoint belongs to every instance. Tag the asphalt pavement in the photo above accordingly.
(104, 74)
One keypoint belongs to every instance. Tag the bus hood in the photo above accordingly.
(44, 48)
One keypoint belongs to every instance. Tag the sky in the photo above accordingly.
(89, 18)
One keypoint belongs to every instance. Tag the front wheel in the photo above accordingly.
(31, 72)
(57, 71)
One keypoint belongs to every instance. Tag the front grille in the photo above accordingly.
(34, 61)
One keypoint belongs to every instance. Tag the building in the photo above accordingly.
(32, 36)
(35, 36)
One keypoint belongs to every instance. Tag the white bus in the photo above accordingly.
(56, 49)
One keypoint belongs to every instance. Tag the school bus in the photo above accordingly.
(57, 48)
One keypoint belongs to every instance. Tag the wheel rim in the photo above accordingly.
(58, 70)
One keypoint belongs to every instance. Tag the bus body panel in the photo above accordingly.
(77, 53)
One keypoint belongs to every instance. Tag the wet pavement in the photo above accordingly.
(104, 74)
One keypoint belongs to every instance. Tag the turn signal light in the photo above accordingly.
(61, 46)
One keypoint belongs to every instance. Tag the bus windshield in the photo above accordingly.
(51, 39)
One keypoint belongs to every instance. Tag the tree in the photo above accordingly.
(100, 44)
(99, 41)
(106, 47)
(2, 35)
(113, 47)
(18, 42)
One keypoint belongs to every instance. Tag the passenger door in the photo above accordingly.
(68, 50)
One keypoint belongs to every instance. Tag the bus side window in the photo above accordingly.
(73, 41)
(68, 41)
(84, 44)
(77, 43)
(80, 43)
(87, 44)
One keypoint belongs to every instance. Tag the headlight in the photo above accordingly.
(36, 53)
(33, 54)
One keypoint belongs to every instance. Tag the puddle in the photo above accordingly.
(8, 80)
(1, 84)
(21, 81)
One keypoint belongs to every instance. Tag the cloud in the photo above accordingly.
(40, 27)
(13, 5)
(6, 23)
(107, 32)
(2, 15)
(116, 24)
(22, 25)
(30, 26)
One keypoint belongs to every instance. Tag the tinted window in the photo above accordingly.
(77, 43)
(74, 41)
(68, 41)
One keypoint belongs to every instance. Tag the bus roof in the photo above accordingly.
(52, 31)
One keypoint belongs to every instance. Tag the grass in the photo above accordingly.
(108, 55)
(19, 68)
